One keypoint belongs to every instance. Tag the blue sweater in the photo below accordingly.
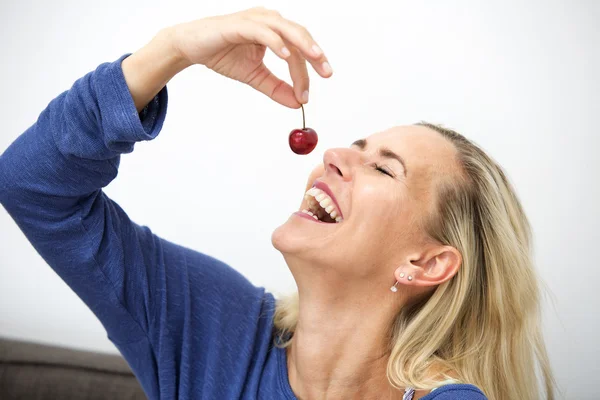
(189, 325)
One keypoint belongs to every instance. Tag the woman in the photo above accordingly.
(423, 288)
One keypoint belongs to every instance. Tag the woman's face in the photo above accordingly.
(381, 213)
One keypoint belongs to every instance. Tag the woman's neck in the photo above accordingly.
(340, 349)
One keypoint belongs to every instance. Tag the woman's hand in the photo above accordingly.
(234, 45)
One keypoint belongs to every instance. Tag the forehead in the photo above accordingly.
(424, 150)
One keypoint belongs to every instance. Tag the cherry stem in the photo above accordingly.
(303, 119)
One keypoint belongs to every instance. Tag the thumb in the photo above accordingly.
(265, 82)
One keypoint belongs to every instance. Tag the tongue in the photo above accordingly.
(327, 218)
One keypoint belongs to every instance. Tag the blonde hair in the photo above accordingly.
(484, 324)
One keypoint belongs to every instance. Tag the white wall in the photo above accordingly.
(520, 78)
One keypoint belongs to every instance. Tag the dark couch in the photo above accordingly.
(32, 371)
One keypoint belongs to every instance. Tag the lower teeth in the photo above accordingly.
(311, 214)
(337, 219)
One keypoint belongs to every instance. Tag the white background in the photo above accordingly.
(520, 78)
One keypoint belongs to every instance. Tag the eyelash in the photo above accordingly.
(378, 168)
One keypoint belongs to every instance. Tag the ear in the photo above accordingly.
(436, 266)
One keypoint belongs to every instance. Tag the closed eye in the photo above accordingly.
(378, 168)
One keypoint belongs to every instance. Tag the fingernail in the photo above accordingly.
(305, 96)
(317, 50)
(327, 68)
(285, 52)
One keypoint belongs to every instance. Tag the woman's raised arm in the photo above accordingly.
(160, 303)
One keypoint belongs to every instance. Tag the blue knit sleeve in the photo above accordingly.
(178, 316)
(459, 391)
(51, 180)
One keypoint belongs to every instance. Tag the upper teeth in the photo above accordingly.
(314, 196)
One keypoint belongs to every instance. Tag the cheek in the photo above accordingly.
(409, 222)
(378, 215)
(394, 218)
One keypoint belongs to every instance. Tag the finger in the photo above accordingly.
(250, 31)
(265, 82)
(301, 38)
(299, 74)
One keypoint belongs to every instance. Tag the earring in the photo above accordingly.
(401, 274)
(394, 288)
(409, 278)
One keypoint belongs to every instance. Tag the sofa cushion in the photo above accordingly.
(39, 372)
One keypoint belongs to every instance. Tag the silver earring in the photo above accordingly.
(409, 278)
(401, 274)
(394, 288)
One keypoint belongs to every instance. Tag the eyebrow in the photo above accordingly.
(383, 152)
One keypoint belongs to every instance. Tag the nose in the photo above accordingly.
(341, 161)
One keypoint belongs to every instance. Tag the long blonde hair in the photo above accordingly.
(484, 324)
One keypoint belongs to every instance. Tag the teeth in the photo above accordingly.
(310, 213)
(316, 196)
(325, 202)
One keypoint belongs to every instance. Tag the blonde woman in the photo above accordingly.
(410, 250)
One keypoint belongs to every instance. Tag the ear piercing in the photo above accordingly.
(402, 275)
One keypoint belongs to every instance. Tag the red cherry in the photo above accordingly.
(303, 141)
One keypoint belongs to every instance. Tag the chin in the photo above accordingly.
(283, 238)
(297, 238)
(291, 237)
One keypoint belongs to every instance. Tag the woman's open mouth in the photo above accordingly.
(321, 205)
